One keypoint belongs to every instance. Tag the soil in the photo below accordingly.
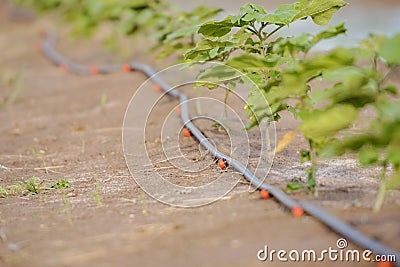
(58, 128)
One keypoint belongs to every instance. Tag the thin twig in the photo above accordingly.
(274, 31)
(37, 168)
(49, 167)
(164, 160)
(108, 129)
(4, 167)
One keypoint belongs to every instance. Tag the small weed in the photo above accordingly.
(143, 198)
(103, 99)
(293, 186)
(61, 184)
(33, 187)
(218, 126)
(82, 143)
(3, 192)
(14, 83)
(32, 150)
(67, 208)
(12, 190)
(96, 195)
(16, 189)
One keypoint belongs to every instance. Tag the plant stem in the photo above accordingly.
(252, 29)
(375, 62)
(313, 158)
(144, 205)
(387, 75)
(192, 42)
(274, 31)
(382, 190)
(263, 25)
(226, 97)
(67, 208)
(268, 139)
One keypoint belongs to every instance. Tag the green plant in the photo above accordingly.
(32, 186)
(20, 188)
(162, 22)
(379, 142)
(96, 194)
(103, 99)
(87, 16)
(14, 84)
(15, 189)
(61, 184)
(67, 208)
(277, 66)
(3, 192)
(143, 200)
(326, 91)
(12, 190)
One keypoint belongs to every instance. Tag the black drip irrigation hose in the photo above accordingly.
(297, 207)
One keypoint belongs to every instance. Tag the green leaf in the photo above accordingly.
(283, 15)
(61, 184)
(169, 49)
(311, 182)
(293, 186)
(218, 74)
(257, 107)
(368, 156)
(393, 155)
(331, 32)
(323, 18)
(293, 111)
(181, 33)
(250, 12)
(256, 77)
(203, 12)
(241, 36)
(32, 186)
(390, 50)
(304, 155)
(332, 148)
(355, 86)
(319, 124)
(394, 181)
(216, 28)
(292, 45)
(248, 62)
(295, 81)
(391, 89)
(357, 142)
(320, 11)
(340, 74)
(390, 110)
(208, 49)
